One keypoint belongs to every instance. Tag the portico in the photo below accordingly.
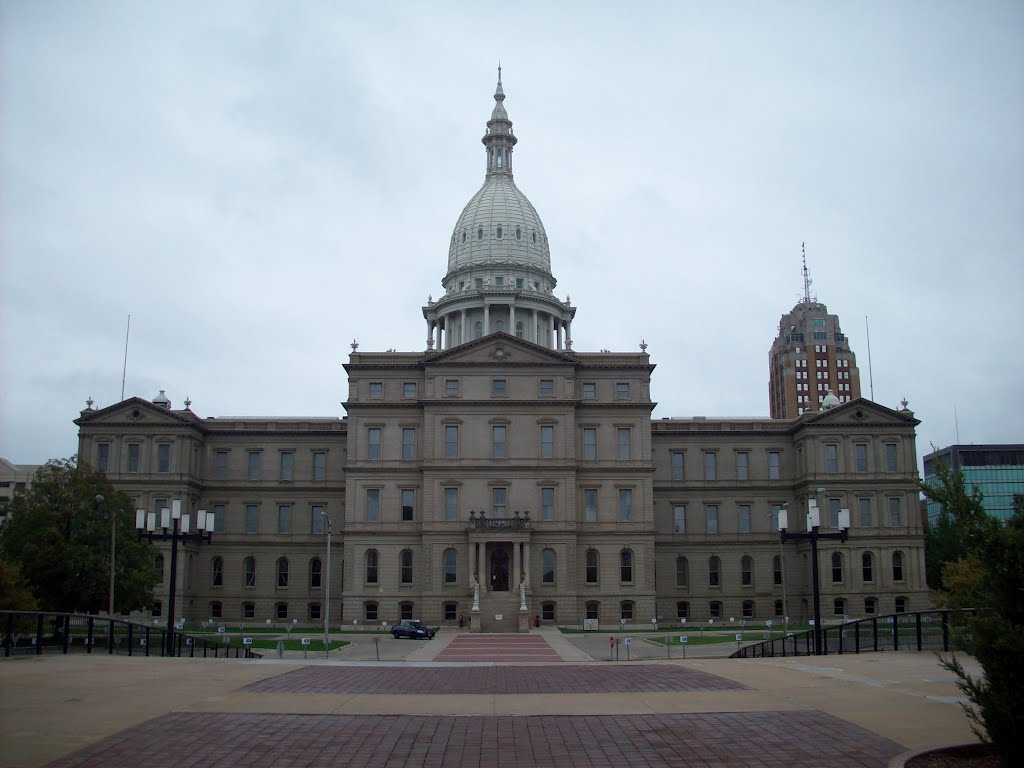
(500, 548)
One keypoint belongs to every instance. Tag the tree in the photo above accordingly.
(15, 593)
(58, 534)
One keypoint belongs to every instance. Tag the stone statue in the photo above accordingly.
(476, 594)
(522, 596)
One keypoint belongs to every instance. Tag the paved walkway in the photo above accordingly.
(498, 649)
(826, 711)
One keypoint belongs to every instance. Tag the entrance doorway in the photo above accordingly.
(499, 569)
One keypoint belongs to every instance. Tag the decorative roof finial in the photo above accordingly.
(354, 345)
(904, 403)
(188, 402)
(89, 402)
(643, 345)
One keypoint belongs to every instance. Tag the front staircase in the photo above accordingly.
(504, 604)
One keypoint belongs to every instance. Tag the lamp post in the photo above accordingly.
(327, 591)
(113, 519)
(813, 535)
(782, 568)
(174, 525)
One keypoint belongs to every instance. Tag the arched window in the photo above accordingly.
(867, 566)
(748, 609)
(682, 572)
(480, 233)
(682, 611)
(626, 566)
(282, 571)
(715, 609)
(217, 572)
(746, 571)
(405, 559)
(626, 611)
(281, 610)
(593, 610)
(405, 611)
(901, 605)
(837, 568)
(547, 560)
(249, 568)
(520, 330)
(499, 325)
(870, 606)
(839, 607)
(370, 610)
(248, 610)
(534, 237)
(372, 561)
(592, 566)
(216, 609)
(897, 566)
(158, 566)
(777, 569)
(714, 571)
(450, 562)
(519, 233)
(315, 573)
(478, 329)
(463, 235)
(547, 611)
(499, 228)
(778, 608)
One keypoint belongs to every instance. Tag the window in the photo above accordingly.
(133, 457)
(373, 449)
(778, 608)
(774, 465)
(499, 449)
(217, 572)
(593, 609)
(547, 442)
(158, 566)
(746, 571)
(626, 566)
(590, 505)
(592, 566)
(837, 568)
(157, 607)
(499, 502)
(710, 465)
(451, 442)
(624, 439)
(370, 611)
(408, 443)
(405, 560)
(864, 508)
(870, 606)
(682, 572)
(626, 610)
(625, 505)
(408, 504)
(315, 573)
(284, 518)
(282, 571)
(221, 465)
(776, 570)
(248, 610)
(376, 390)
(287, 466)
(715, 609)
(679, 518)
(590, 443)
(451, 387)
(894, 511)
(319, 465)
(711, 515)
(547, 503)
(890, 457)
(897, 566)
(860, 452)
(833, 512)
(372, 505)
(901, 605)
(678, 466)
(742, 465)
(499, 228)
(547, 611)
(317, 519)
(478, 326)
(409, 390)
(372, 561)
(520, 328)
(451, 503)
(714, 571)
(102, 456)
(499, 387)
(622, 390)
(547, 562)
(867, 567)
(744, 515)
(839, 607)
(748, 609)
(313, 611)
(252, 518)
(216, 609)
(163, 457)
(831, 457)
(589, 390)
(218, 518)
(249, 569)
(682, 611)
(774, 517)
(450, 562)
(451, 610)
(405, 610)
(547, 387)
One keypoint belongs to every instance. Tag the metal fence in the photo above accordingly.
(914, 631)
(38, 633)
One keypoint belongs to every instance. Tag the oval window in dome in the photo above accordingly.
(499, 233)
(480, 233)
(463, 235)
(535, 237)
(519, 234)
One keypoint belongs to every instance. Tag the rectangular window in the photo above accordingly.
(252, 518)
(624, 440)
(372, 505)
(894, 511)
(590, 505)
(284, 518)
(373, 450)
(376, 390)
(163, 457)
(287, 466)
(589, 390)
(831, 457)
(744, 515)
(742, 465)
(499, 502)
(218, 518)
(547, 503)
(408, 504)
(254, 465)
(590, 443)
(710, 465)
(547, 387)
(678, 465)
(409, 390)
(833, 512)
(319, 465)
(776, 509)
(890, 457)
(451, 503)
(547, 442)
(451, 387)
(317, 524)
(711, 513)
(499, 387)
(499, 447)
(861, 457)
(679, 518)
(102, 456)
(133, 457)
(774, 465)
(864, 508)
(622, 390)
(625, 505)
(221, 469)
(451, 442)
(408, 443)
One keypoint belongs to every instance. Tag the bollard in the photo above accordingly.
(376, 642)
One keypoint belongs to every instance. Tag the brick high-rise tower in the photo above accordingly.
(810, 357)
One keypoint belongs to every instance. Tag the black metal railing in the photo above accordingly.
(38, 633)
(916, 631)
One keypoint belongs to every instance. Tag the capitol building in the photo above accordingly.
(501, 477)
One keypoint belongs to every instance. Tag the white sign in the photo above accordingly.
(179, 626)
(590, 624)
(654, 621)
(739, 638)
(628, 641)
(684, 639)
(221, 630)
(188, 641)
(769, 622)
(497, 617)
(305, 641)
(247, 640)
(142, 642)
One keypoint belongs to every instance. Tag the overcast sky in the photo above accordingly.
(257, 184)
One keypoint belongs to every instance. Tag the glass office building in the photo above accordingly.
(996, 470)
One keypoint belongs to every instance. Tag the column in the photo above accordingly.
(568, 334)
(487, 319)
(526, 563)
(512, 318)
(462, 329)
(481, 570)
(430, 332)
(558, 332)
(516, 568)
(536, 338)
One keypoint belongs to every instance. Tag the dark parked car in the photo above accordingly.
(413, 629)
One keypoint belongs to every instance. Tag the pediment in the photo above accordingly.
(499, 349)
(136, 411)
(860, 411)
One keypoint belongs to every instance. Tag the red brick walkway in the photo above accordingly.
(499, 648)
(794, 739)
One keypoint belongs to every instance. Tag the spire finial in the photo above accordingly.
(806, 274)
(499, 71)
